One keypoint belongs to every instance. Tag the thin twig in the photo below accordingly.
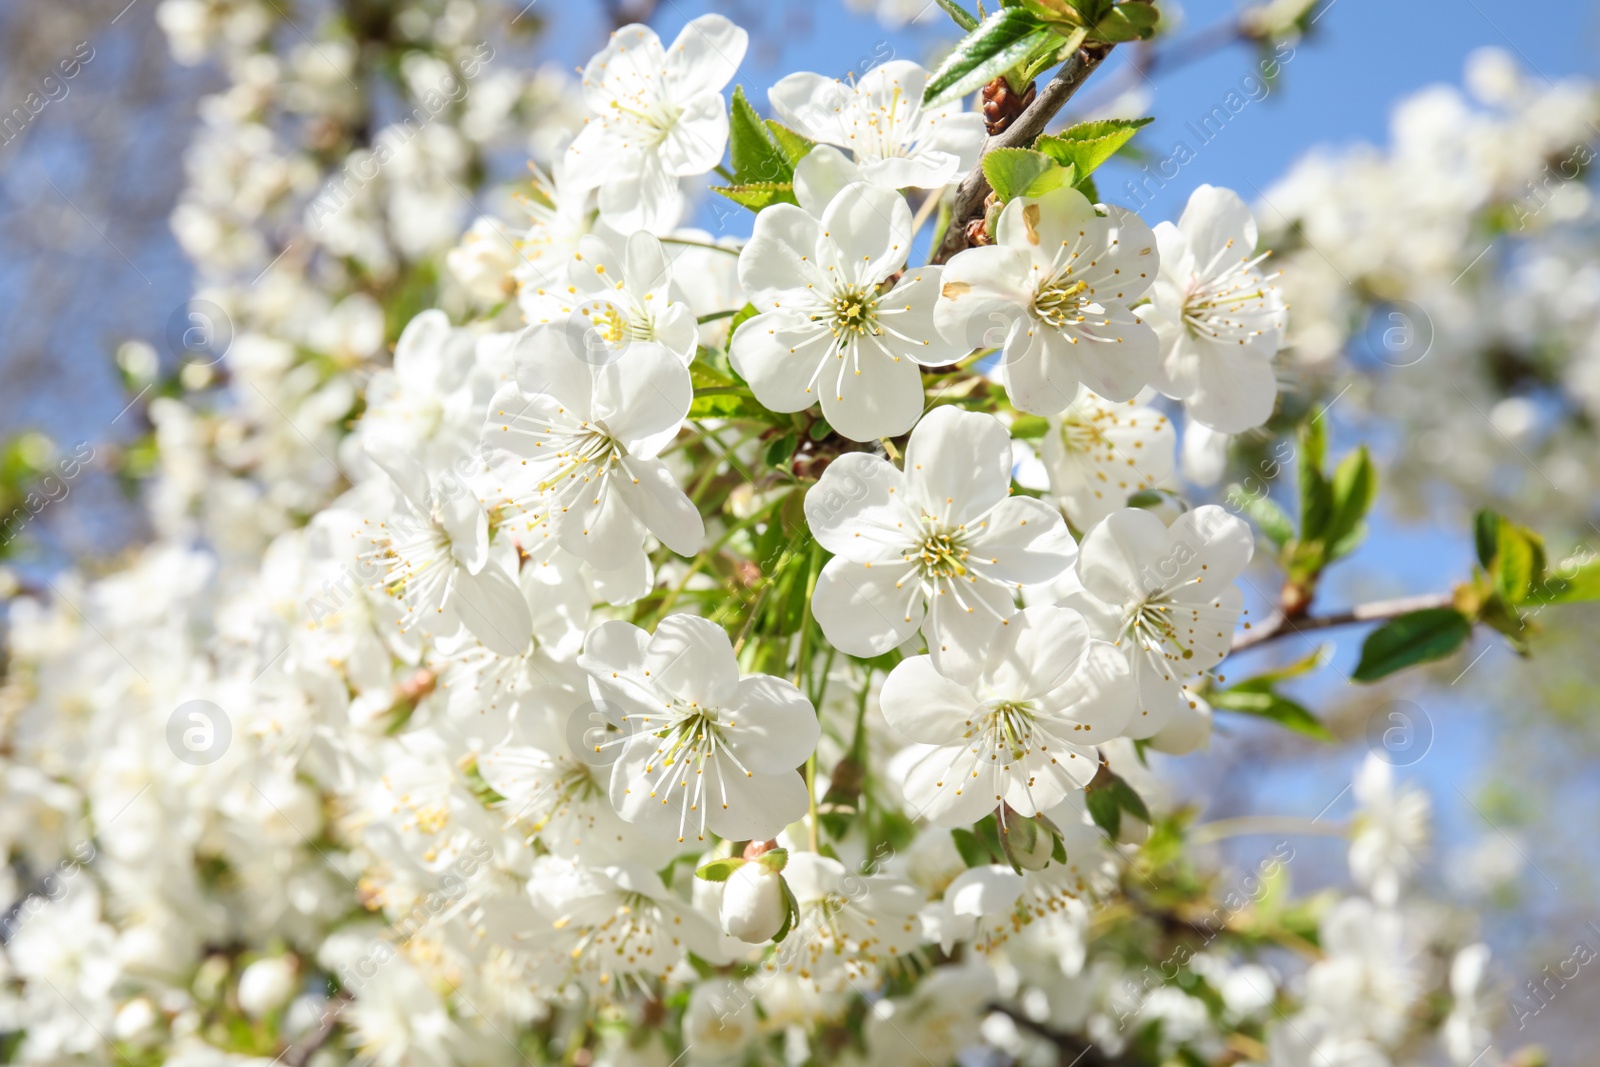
(1028, 125)
(1375, 611)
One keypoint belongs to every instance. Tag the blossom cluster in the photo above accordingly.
(674, 646)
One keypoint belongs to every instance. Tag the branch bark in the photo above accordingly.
(1376, 611)
(974, 188)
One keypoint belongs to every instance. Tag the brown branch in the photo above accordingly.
(300, 1055)
(1376, 611)
(974, 187)
(1075, 1050)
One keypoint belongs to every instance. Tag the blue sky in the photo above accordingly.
(1339, 86)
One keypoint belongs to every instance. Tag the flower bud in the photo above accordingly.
(266, 985)
(753, 908)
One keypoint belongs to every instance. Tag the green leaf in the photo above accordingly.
(757, 159)
(1486, 536)
(1267, 513)
(1002, 41)
(1316, 495)
(1519, 562)
(1108, 796)
(1127, 22)
(1105, 811)
(1257, 697)
(1087, 187)
(1014, 172)
(1573, 581)
(819, 429)
(973, 851)
(735, 404)
(1354, 488)
(791, 912)
(963, 18)
(1029, 426)
(744, 315)
(792, 144)
(719, 870)
(781, 448)
(1315, 661)
(757, 195)
(1416, 637)
(705, 376)
(1089, 144)
(775, 859)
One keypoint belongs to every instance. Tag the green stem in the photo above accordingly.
(715, 315)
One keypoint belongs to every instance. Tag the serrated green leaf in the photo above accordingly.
(1014, 172)
(757, 159)
(960, 15)
(757, 195)
(774, 859)
(1416, 637)
(794, 146)
(1000, 42)
(1089, 144)
(719, 870)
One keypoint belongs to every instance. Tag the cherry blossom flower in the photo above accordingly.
(1021, 730)
(942, 545)
(703, 749)
(1220, 319)
(576, 444)
(1054, 293)
(1098, 453)
(1164, 597)
(829, 327)
(893, 142)
(656, 115)
(616, 295)
(434, 554)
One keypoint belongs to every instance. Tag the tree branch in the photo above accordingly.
(974, 187)
(1376, 611)
(1074, 1049)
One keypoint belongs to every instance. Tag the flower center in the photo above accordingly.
(1153, 621)
(1060, 301)
(1230, 307)
(1081, 433)
(617, 327)
(591, 456)
(853, 312)
(941, 552)
(1006, 729)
